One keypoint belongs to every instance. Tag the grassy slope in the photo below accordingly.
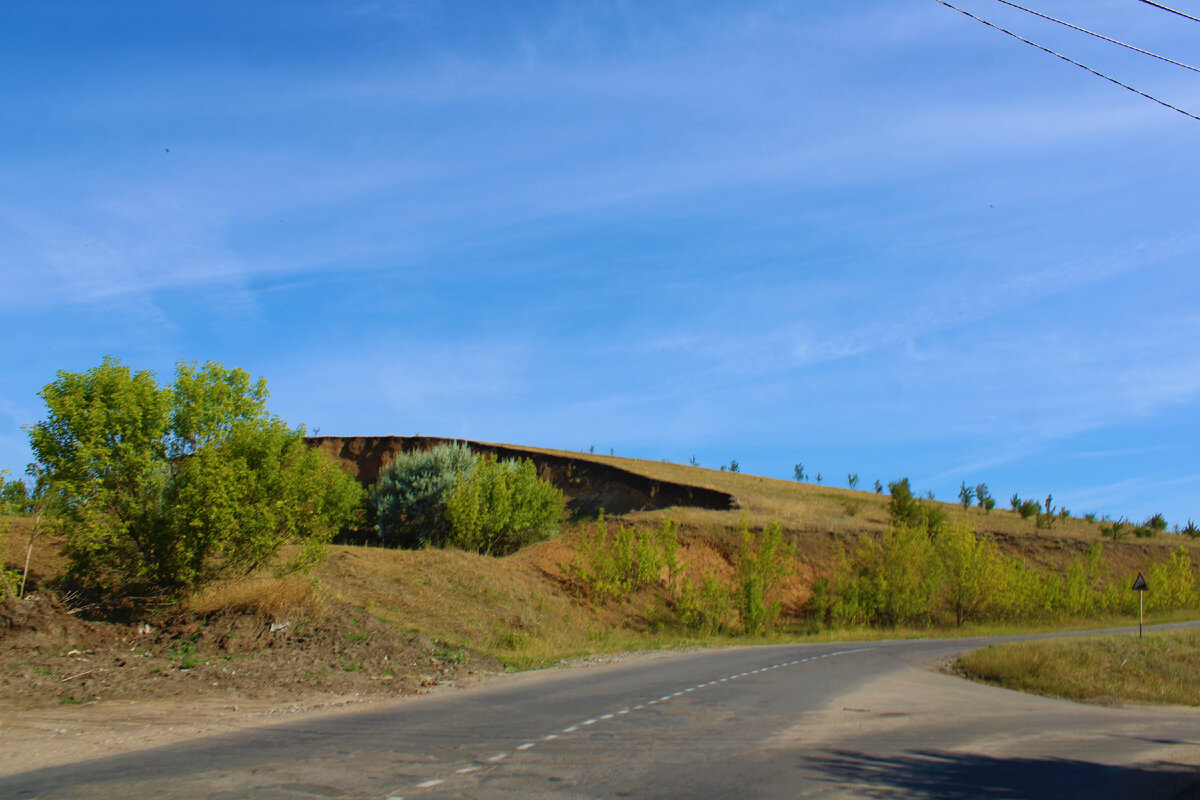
(1162, 668)
(521, 610)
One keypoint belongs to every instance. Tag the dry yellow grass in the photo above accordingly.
(500, 606)
(1164, 667)
(277, 598)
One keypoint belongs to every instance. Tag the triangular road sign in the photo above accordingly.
(1139, 585)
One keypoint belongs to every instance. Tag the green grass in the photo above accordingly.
(1163, 667)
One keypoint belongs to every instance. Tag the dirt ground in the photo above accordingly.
(72, 688)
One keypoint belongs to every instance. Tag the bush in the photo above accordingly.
(707, 608)
(1190, 530)
(1028, 508)
(1115, 530)
(1157, 523)
(168, 488)
(764, 560)
(500, 506)
(614, 566)
(906, 510)
(410, 497)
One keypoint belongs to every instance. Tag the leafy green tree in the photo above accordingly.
(500, 506)
(158, 486)
(972, 567)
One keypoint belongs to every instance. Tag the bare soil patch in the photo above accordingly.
(72, 687)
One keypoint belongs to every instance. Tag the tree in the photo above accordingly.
(798, 472)
(165, 488)
(966, 494)
(852, 480)
(984, 498)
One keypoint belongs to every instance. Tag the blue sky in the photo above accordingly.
(872, 237)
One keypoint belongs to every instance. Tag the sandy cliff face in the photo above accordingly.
(587, 485)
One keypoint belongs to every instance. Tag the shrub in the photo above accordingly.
(1173, 583)
(708, 607)
(235, 504)
(878, 487)
(1115, 530)
(614, 566)
(1028, 508)
(734, 466)
(763, 561)
(410, 497)
(798, 472)
(852, 480)
(909, 511)
(889, 581)
(170, 487)
(1190, 530)
(500, 506)
(1157, 523)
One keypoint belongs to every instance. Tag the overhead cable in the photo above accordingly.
(1167, 8)
(1100, 36)
(1070, 61)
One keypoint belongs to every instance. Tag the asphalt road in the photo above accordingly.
(822, 720)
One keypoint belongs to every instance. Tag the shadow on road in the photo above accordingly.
(941, 775)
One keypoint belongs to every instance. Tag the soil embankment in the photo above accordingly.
(587, 485)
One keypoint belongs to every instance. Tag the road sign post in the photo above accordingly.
(1139, 586)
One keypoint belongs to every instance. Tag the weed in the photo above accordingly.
(449, 654)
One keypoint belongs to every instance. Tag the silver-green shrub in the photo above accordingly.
(410, 498)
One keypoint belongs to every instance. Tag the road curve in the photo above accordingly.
(868, 719)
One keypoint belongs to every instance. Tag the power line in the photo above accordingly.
(1167, 8)
(1099, 36)
(1070, 61)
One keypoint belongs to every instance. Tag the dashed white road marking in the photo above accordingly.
(573, 728)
